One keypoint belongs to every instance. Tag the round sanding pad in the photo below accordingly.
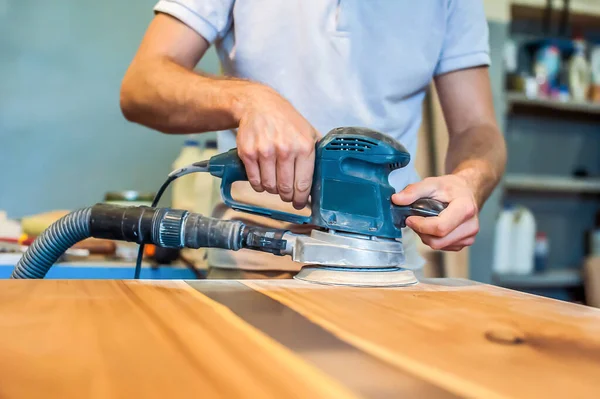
(357, 277)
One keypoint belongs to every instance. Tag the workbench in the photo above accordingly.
(286, 338)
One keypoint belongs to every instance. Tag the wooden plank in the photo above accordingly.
(474, 340)
(113, 339)
(357, 370)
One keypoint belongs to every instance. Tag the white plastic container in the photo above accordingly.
(9, 228)
(206, 185)
(502, 262)
(184, 188)
(514, 247)
(523, 234)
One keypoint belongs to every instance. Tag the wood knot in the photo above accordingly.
(505, 336)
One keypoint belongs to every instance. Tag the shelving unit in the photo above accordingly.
(549, 140)
(514, 99)
(527, 182)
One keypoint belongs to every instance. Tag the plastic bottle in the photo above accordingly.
(523, 239)
(184, 188)
(9, 228)
(205, 183)
(502, 262)
(579, 73)
(541, 251)
(595, 67)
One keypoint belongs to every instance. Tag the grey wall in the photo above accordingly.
(63, 141)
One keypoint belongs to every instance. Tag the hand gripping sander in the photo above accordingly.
(357, 239)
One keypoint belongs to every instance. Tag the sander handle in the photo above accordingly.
(229, 168)
(425, 207)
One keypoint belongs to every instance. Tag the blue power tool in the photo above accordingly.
(357, 233)
(356, 240)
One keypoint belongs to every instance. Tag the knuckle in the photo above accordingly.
(305, 147)
(283, 151)
(247, 155)
(266, 152)
(284, 187)
(437, 245)
(470, 209)
(441, 230)
(303, 185)
(270, 187)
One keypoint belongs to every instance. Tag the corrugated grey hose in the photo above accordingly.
(52, 243)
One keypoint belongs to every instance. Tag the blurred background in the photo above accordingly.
(64, 143)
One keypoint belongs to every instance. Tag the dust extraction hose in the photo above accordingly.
(164, 227)
(52, 243)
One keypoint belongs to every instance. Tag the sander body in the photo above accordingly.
(357, 233)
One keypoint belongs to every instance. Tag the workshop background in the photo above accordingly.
(64, 143)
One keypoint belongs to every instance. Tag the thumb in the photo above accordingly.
(415, 191)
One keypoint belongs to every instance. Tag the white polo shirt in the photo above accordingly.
(343, 62)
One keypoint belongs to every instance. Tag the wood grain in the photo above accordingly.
(474, 340)
(112, 339)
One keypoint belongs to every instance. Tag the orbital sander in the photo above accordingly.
(356, 237)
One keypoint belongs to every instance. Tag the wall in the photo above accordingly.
(63, 140)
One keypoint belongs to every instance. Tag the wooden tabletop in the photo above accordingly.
(286, 338)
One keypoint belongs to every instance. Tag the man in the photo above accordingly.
(297, 68)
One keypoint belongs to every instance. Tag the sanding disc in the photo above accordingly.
(358, 277)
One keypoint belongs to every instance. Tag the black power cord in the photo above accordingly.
(201, 166)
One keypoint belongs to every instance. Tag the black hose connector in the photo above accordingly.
(140, 224)
(52, 243)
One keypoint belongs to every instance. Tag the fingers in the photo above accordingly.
(250, 159)
(462, 236)
(285, 175)
(415, 191)
(458, 211)
(303, 173)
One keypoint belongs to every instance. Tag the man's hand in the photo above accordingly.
(475, 162)
(457, 225)
(277, 145)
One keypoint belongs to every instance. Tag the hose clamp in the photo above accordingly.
(170, 229)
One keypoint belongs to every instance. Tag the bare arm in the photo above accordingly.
(474, 163)
(162, 91)
(476, 149)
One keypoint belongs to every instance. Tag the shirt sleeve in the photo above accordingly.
(209, 18)
(466, 39)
